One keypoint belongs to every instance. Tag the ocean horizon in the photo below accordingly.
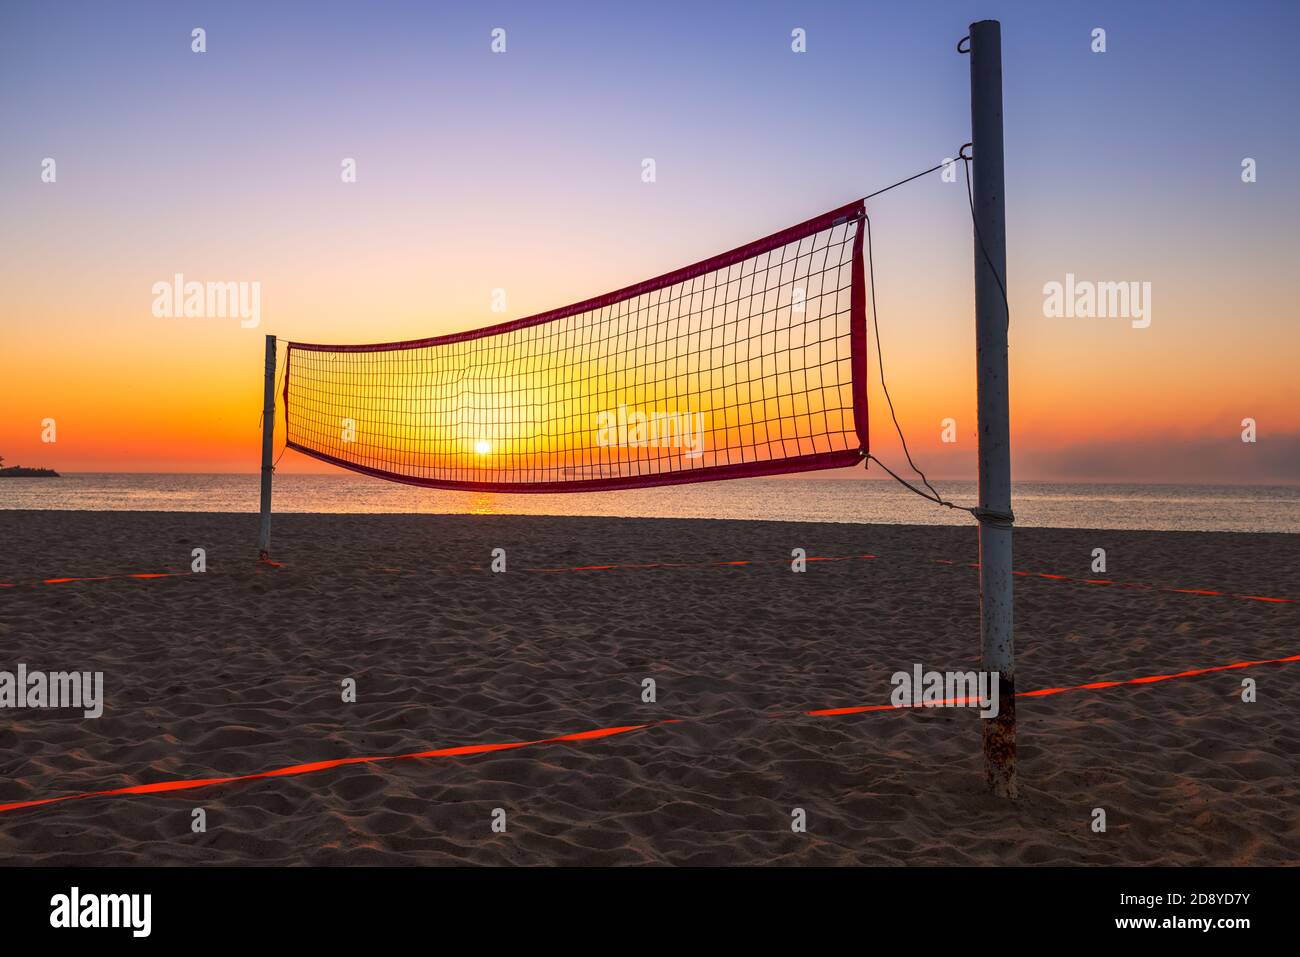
(1131, 506)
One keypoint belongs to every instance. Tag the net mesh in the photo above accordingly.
(749, 363)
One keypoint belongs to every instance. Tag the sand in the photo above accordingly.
(239, 670)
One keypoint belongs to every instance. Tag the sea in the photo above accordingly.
(1255, 508)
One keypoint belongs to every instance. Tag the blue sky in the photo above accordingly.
(522, 171)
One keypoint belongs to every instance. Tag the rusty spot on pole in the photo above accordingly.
(1000, 741)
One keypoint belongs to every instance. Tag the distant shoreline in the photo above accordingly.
(1284, 535)
(852, 501)
(18, 471)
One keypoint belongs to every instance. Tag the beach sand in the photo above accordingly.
(239, 670)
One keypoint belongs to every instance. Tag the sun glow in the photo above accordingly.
(482, 447)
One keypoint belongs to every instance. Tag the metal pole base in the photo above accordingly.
(1000, 742)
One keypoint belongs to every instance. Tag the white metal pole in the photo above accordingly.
(991, 321)
(268, 447)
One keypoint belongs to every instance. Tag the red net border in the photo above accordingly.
(850, 212)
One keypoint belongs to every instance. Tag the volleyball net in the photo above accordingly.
(750, 363)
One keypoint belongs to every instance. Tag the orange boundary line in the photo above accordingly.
(1041, 576)
(315, 766)
(100, 578)
(593, 734)
(1090, 686)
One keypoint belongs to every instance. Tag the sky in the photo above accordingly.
(522, 170)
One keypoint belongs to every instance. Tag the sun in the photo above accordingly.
(482, 446)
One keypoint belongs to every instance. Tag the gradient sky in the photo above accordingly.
(522, 171)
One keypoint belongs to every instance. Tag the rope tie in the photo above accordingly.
(989, 516)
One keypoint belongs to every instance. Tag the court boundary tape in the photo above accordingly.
(644, 566)
(187, 784)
